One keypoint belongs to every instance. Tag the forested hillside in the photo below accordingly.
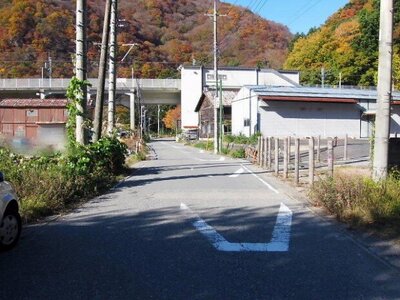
(167, 32)
(346, 44)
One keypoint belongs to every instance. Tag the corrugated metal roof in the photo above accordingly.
(292, 91)
(33, 102)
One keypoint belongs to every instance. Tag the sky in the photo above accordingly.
(298, 15)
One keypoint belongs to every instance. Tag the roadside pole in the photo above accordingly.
(276, 156)
(221, 116)
(331, 158)
(98, 112)
(112, 66)
(382, 123)
(311, 163)
(296, 160)
(81, 67)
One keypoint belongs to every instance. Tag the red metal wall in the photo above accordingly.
(23, 122)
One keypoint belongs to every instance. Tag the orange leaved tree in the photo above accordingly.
(171, 117)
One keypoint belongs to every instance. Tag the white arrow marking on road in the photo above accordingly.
(237, 173)
(279, 241)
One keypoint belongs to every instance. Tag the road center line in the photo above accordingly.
(262, 180)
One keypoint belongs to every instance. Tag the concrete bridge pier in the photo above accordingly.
(132, 97)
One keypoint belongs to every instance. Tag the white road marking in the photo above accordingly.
(237, 173)
(279, 242)
(262, 180)
(210, 160)
(201, 151)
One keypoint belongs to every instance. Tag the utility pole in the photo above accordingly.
(382, 122)
(98, 112)
(112, 66)
(81, 67)
(215, 21)
(340, 80)
(221, 110)
(215, 16)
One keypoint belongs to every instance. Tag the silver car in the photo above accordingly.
(10, 219)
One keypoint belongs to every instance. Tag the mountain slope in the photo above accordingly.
(167, 33)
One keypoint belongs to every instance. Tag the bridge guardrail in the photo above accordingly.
(62, 83)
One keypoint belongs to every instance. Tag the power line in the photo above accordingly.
(262, 6)
(248, 7)
(303, 11)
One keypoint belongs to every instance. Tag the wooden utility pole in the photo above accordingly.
(276, 156)
(215, 16)
(296, 160)
(112, 66)
(81, 67)
(98, 112)
(215, 22)
(382, 123)
(311, 163)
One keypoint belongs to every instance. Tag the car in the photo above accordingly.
(10, 219)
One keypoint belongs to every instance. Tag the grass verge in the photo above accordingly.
(47, 185)
(358, 200)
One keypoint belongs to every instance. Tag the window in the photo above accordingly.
(220, 76)
(246, 122)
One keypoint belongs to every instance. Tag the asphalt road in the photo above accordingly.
(140, 242)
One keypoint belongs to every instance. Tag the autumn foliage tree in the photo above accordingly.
(171, 117)
(345, 46)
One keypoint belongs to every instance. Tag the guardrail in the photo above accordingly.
(62, 83)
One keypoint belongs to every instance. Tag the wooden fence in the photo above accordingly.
(294, 157)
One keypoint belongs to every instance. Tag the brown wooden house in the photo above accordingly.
(205, 108)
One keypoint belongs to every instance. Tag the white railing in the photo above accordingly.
(62, 83)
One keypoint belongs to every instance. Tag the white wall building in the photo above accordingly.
(196, 79)
(301, 111)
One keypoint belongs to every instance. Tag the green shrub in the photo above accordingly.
(206, 145)
(241, 139)
(229, 138)
(239, 153)
(225, 151)
(48, 184)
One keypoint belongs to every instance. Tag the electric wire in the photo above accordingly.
(224, 42)
(303, 11)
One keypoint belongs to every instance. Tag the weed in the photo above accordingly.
(239, 153)
(48, 184)
(359, 200)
